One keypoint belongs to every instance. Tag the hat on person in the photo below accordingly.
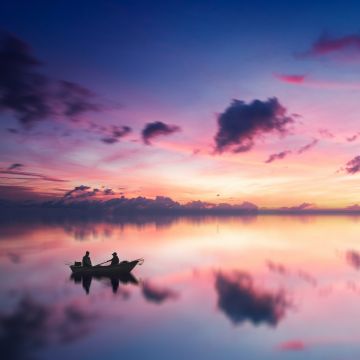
(114, 253)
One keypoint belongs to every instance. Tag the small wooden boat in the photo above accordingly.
(124, 267)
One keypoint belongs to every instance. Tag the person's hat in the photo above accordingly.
(114, 253)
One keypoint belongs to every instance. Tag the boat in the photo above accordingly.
(125, 267)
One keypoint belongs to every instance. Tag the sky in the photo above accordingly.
(218, 101)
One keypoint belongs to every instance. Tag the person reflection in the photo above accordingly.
(113, 281)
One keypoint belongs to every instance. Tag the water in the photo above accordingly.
(266, 287)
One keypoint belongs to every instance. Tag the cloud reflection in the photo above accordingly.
(241, 301)
(156, 294)
(32, 326)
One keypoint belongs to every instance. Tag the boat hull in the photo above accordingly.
(124, 267)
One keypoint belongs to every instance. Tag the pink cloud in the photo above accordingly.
(305, 80)
(291, 79)
(292, 345)
(326, 45)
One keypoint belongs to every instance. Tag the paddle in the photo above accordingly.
(102, 263)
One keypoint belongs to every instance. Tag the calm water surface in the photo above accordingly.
(266, 287)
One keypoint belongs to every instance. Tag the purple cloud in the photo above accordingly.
(327, 45)
(353, 137)
(277, 156)
(353, 166)
(325, 133)
(32, 96)
(115, 134)
(15, 166)
(157, 128)
(240, 124)
(301, 207)
(308, 146)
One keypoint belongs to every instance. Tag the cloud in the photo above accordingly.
(157, 128)
(108, 192)
(353, 137)
(353, 259)
(353, 166)
(241, 301)
(354, 207)
(15, 166)
(33, 326)
(301, 207)
(305, 80)
(325, 133)
(32, 96)
(307, 277)
(277, 156)
(308, 146)
(80, 192)
(276, 267)
(348, 45)
(291, 79)
(292, 345)
(26, 175)
(240, 124)
(116, 133)
(157, 294)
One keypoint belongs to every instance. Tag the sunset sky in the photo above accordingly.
(219, 101)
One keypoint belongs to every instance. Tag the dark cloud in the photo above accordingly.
(157, 128)
(29, 175)
(353, 258)
(240, 124)
(32, 96)
(33, 326)
(75, 99)
(241, 301)
(108, 192)
(115, 134)
(327, 45)
(353, 166)
(15, 166)
(15, 258)
(308, 146)
(80, 192)
(23, 90)
(278, 156)
(13, 131)
(156, 294)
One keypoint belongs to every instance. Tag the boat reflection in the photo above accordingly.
(112, 280)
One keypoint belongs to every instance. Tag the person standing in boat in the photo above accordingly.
(86, 261)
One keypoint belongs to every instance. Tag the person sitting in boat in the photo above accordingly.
(86, 261)
(115, 259)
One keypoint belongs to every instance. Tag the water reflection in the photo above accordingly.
(110, 280)
(252, 289)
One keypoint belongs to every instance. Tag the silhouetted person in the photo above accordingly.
(115, 259)
(86, 261)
